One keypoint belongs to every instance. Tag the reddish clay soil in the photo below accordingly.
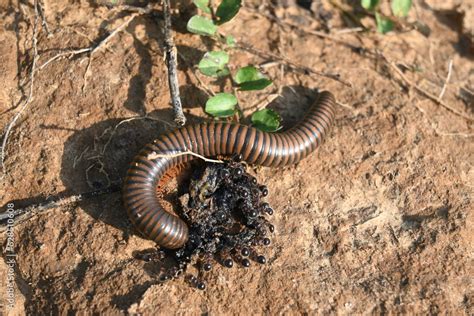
(378, 220)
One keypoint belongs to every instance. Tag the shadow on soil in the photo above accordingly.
(95, 159)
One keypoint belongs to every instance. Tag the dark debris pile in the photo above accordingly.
(227, 221)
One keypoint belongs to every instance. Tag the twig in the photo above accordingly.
(101, 170)
(304, 31)
(257, 106)
(154, 155)
(210, 5)
(345, 105)
(349, 30)
(207, 90)
(24, 213)
(129, 120)
(30, 95)
(141, 10)
(422, 91)
(93, 49)
(172, 65)
(300, 68)
(115, 32)
(450, 69)
(454, 134)
(43, 19)
(69, 53)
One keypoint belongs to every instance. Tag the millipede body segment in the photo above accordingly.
(210, 140)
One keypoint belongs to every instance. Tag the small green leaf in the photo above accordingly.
(213, 64)
(227, 10)
(369, 4)
(255, 85)
(249, 78)
(248, 73)
(401, 8)
(266, 120)
(221, 105)
(230, 41)
(203, 5)
(202, 26)
(384, 25)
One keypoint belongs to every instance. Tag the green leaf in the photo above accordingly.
(221, 105)
(266, 120)
(384, 25)
(203, 5)
(202, 26)
(248, 73)
(249, 78)
(255, 85)
(369, 4)
(230, 41)
(227, 10)
(213, 64)
(401, 8)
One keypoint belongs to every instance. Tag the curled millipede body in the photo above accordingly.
(210, 140)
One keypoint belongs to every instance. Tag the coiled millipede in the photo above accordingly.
(210, 140)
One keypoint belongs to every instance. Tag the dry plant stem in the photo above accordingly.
(30, 95)
(362, 49)
(448, 77)
(208, 90)
(172, 64)
(195, 74)
(300, 68)
(43, 19)
(345, 105)
(68, 53)
(95, 48)
(22, 214)
(145, 10)
(262, 103)
(304, 31)
(187, 152)
(424, 92)
(92, 50)
(129, 120)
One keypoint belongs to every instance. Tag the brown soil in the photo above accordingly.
(379, 219)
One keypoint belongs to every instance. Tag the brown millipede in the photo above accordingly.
(213, 139)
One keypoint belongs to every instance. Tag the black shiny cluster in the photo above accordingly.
(227, 219)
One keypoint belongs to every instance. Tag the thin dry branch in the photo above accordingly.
(296, 67)
(361, 50)
(154, 155)
(129, 120)
(195, 74)
(448, 77)
(68, 53)
(424, 92)
(261, 103)
(172, 65)
(301, 30)
(43, 19)
(30, 95)
(24, 213)
(92, 49)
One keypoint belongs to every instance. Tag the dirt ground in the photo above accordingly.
(378, 220)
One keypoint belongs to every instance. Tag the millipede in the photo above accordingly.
(210, 140)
